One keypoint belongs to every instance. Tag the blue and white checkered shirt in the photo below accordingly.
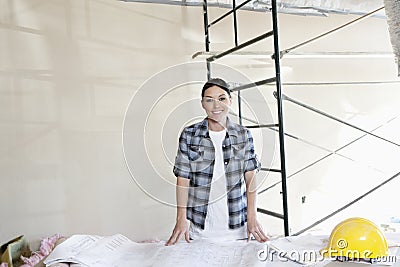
(195, 161)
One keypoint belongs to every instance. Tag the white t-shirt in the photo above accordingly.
(217, 219)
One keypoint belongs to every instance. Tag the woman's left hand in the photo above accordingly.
(255, 228)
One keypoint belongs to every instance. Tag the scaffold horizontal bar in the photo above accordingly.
(262, 126)
(251, 85)
(245, 44)
(270, 170)
(271, 213)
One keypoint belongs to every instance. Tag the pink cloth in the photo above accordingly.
(3, 264)
(46, 246)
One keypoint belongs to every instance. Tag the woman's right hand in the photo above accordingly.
(181, 229)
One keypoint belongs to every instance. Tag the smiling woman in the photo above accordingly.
(215, 167)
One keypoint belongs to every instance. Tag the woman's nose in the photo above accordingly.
(216, 103)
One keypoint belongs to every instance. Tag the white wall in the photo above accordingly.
(69, 69)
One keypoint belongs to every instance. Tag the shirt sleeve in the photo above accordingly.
(251, 163)
(182, 165)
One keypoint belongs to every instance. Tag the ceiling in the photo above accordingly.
(299, 7)
(387, 9)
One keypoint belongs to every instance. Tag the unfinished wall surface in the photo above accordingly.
(69, 69)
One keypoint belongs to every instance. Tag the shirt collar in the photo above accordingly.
(232, 128)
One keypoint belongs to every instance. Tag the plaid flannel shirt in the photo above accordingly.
(195, 161)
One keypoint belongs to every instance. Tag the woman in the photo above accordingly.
(215, 168)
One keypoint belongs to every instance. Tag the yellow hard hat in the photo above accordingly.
(356, 238)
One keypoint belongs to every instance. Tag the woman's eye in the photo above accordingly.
(222, 99)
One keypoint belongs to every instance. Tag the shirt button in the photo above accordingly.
(226, 162)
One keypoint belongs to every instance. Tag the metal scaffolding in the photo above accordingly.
(280, 98)
(276, 79)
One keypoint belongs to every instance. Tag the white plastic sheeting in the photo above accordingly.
(324, 6)
(299, 7)
(392, 8)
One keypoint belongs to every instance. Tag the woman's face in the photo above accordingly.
(216, 103)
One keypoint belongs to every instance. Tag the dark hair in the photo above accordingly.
(216, 82)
